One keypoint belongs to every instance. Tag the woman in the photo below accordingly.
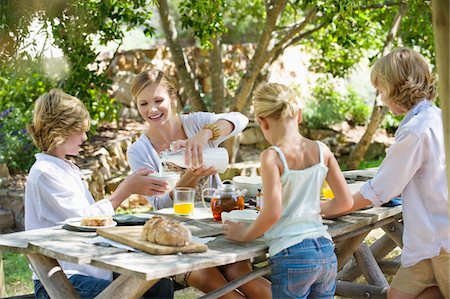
(156, 99)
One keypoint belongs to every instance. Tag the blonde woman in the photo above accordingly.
(156, 99)
(54, 190)
(293, 170)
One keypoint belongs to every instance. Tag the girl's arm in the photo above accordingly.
(343, 200)
(272, 208)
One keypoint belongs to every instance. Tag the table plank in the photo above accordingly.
(57, 243)
(360, 174)
(149, 267)
(359, 219)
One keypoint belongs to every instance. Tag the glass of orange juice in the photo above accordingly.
(327, 193)
(183, 201)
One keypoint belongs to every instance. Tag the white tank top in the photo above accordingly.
(300, 217)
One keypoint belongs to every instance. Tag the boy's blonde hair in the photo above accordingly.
(57, 115)
(148, 77)
(404, 76)
(276, 101)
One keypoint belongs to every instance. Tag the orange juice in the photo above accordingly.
(183, 208)
(326, 191)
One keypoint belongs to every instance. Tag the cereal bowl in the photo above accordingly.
(170, 177)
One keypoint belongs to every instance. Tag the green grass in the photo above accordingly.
(17, 274)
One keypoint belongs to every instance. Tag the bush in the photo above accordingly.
(22, 83)
(327, 107)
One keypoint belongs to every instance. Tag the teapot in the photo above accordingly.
(225, 198)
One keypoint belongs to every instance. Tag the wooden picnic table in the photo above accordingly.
(140, 270)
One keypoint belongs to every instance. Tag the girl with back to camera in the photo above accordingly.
(293, 170)
(156, 98)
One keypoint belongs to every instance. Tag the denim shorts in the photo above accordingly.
(307, 269)
(89, 287)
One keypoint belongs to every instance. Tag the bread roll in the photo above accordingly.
(166, 231)
(96, 221)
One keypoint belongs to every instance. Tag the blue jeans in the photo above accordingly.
(88, 287)
(305, 270)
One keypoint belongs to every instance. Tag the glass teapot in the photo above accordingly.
(226, 198)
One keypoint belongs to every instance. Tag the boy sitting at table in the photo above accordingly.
(54, 190)
(414, 167)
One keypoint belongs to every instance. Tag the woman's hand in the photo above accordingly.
(138, 183)
(193, 156)
(235, 231)
(202, 171)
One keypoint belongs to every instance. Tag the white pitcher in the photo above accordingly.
(217, 157)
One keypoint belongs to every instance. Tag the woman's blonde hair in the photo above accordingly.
(148, 77)
(57, 115)
(276, 101)
(404, 76)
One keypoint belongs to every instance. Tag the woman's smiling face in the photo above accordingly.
(154, 104)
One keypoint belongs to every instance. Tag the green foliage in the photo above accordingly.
(391, 122)
(17, 274)
(352, 31)
(204, 17)
(22, 84)
(370, 164)
(75, 30)
(328, 106)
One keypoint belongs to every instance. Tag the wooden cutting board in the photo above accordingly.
(131, 236)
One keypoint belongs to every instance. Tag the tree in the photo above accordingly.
(75, 25)
(340, 32)
(441, 39)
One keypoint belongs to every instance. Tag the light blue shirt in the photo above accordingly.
(300, 218)
(414, 167)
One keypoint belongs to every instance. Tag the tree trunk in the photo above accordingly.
(216, 72)
(259, 58)
(179, 57)
(2, 278)
(378, 112)
(441, 41)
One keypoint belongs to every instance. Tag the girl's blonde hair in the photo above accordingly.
(148, 77)
(404, 76)
(57, 115)
(276, 101)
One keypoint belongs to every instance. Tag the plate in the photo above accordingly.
(76, 223)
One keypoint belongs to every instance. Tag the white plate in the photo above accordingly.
(76, 223)
(199, 213)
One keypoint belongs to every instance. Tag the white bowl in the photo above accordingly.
(170, 177)
(251, 183)
(246, 216)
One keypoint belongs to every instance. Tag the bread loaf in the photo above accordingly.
(97, 221)
(166, 231)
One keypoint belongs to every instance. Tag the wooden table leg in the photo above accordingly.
(355, 290)
(395, 231)
(346, 248)
(232, 285)
(126, 287)
(379, 250)
(369, 266)
(52, 277)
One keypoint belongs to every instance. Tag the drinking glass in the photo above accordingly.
(183, 201)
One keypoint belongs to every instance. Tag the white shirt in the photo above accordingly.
(54, 192)
(414, 167)
(142, 154)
